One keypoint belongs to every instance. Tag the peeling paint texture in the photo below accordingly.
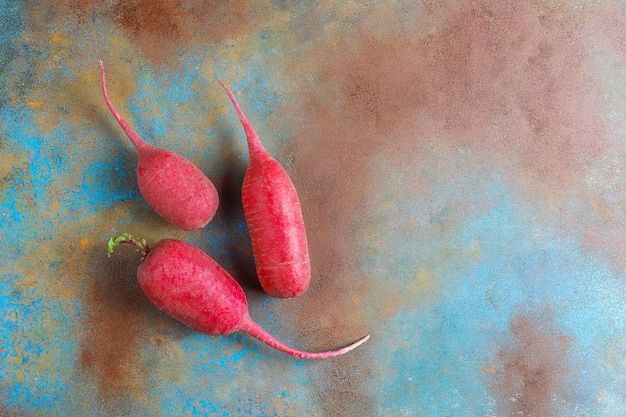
(462, 172)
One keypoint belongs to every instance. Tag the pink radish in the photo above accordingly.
(187, 284)
(274, 218)
(174, 187)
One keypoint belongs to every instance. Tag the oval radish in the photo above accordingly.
(272, 211)
(174, 187)
(187, 284)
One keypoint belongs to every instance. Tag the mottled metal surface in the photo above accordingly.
(461, 166)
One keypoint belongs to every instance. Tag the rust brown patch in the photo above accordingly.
(506, 78)
(160, 28)
(534, 368)
(613, 22)
(345, 385)
(112, 338)
(4, 412)
(84, 10)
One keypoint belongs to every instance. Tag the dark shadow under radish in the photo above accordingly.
(187, 284)
(174, 187)
(272, 210)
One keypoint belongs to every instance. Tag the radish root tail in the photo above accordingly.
(138, 143)
(253, 329)
(254, 143)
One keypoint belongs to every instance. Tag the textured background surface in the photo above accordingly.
(462, 169)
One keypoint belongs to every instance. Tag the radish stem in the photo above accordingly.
(140, 244)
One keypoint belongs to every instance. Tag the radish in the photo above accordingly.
(272, 211)
(187, 284)
(174, 187)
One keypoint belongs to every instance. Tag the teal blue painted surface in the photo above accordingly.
(461, 169)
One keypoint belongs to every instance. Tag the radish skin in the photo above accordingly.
(273, 214)
(174, 187)
(187, 284)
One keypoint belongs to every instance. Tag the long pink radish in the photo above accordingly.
(272, 211)
(187, 284)
(174, 187)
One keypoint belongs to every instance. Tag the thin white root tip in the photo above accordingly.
(253, 329)
(355, 344)
(360, 342)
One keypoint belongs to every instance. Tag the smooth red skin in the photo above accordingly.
(174, 187)
(274, 218)
(273, 214)
(187, 284)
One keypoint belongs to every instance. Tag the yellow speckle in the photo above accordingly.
(84, 243)
(489, 16)
(56, 37)
(36, 103)
(423, 282)
(602, 209)
(489, 370)
(422, 276)
(474, 250)
(424, 279)
(355, 299)
(348, 9)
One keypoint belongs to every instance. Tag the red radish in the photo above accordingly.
(174, 187)
(274, 217)
(187, 284)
